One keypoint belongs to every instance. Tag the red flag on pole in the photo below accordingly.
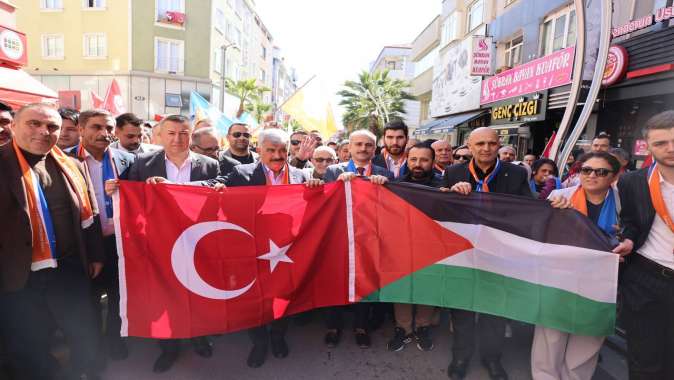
(97, 102)
(548, 146)
(113, 99)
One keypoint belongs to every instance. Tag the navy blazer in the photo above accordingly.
(335, 170)
(153, 164)
(253, 175)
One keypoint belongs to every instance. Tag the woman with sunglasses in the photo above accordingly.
(556, 354)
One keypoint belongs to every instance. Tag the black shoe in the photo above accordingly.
(257, 356)
(362, 338)
(495, 369)
(399, 340)
(117, 349)
(165, 361)
(202, 346)
(457, 369)
(423, 338)
(279, 347)
(332, 338)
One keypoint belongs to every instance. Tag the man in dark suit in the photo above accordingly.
(483, 173)
(205, 141)
(647, 199)
(96, 128)
(50, 248)
(393, 156)
(272, 169)
(174, 164)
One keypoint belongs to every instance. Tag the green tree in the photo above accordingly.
(248, 92)
(373, 100)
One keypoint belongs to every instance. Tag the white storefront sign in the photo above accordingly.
(482, 53)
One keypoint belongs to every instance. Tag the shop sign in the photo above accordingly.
(481, 56)
(12, 47)
(553, 70)
(531, 107)
(662, 14)
(640, 148)
(616, 65)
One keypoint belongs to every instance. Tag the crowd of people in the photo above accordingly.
(59, 169)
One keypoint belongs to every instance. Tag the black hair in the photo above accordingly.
(544, 161)
(396, 125)
(424, 145)
(69, 114)
(128, 118)
(612, 161)
(4, 107)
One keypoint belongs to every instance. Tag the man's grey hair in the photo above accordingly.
(196, 135)
(273, 136)
(326, 149)
(363, 132)
(508, 147)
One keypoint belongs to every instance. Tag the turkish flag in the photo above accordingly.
(96, 100)
(113, 100)
(194, 261)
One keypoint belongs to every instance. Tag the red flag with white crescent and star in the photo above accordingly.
(194, 261)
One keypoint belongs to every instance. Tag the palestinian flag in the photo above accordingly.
(194, 261)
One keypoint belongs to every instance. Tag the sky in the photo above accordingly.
(337, 39)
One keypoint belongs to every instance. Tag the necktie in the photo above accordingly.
(360, 171)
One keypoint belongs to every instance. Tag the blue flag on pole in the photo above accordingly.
(201, 109)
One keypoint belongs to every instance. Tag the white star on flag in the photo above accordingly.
(276, 255)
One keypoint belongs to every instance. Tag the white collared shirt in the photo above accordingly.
(394, 166)
(275, 180)
(179, 174)
(659, 245)
(96, 174)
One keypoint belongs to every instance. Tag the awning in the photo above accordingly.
(18, 88)
(447, 124)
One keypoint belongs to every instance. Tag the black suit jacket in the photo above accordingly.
(637, 213)
(153, 164)
(253, 175)
(511, 179)
(16, 249)
(227, 164)
(333, 171)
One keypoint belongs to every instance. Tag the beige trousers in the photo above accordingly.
(404, 313)
(557, 355)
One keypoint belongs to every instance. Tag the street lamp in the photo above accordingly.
(223, 73)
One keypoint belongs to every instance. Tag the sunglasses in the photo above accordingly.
(462, 157)
(236, 135)
(601, 172)
(295, 142)
(321, 160)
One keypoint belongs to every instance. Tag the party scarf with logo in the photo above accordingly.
(608, 216)
(285, 172)
(656, 196)
(43, 236)
(109, 172)
(351, 167)
(483, 184)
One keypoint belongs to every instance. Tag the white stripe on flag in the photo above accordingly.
(589, 273)
(124, 331)
(352, 242)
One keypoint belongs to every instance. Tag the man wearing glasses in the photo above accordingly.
(322, 158)
(205, 141)
(462, 155)
(302, 147)
(238, 138)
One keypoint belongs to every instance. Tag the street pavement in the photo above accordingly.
(309, 358)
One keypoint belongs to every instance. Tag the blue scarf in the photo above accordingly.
(608, 217)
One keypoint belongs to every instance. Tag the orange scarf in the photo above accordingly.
(656, 196)
(285, 173)
(483, 185)
(43, 254)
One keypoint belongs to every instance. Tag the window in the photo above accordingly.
(169, 55)
(448, 33)
(94, 4)
(234, 34)
(263, 75)
(264, 52)
(426, 62)
(95, 45)
(217, 60)
(52, 46)
(220, 23)
(475, 14)
(165, 6)
(558, 31)
(513, 51)
(51, 4)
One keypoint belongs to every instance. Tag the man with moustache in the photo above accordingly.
(70, 132)
(393, 156)
(483, 173)
(205, 141)
(49, 212)
(238, 137)
(443, 156)
(103, 163)
(129, 133)
(420, 159)
(173, 164)
(5, 123)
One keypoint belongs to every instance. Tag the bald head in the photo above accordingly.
(36, 128)
(483, 143)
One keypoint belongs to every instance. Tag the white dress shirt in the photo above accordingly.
(96, 174)
(659, 245)
(275, 180)
(394, 166)
(179, 174)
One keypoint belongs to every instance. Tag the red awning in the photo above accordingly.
(17, 88)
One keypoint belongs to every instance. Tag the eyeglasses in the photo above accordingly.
(295, 142)
(236, 135)
(601, 172)
(321, 160)
(462, 157)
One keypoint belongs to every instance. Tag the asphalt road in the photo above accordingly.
(310, 359)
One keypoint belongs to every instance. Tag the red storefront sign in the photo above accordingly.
(616, 65)
(12, 48)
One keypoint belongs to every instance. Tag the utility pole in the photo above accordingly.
(223, 73)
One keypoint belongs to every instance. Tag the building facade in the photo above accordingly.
(425, 49)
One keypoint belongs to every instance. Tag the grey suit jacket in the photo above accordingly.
(335, 170)
(154, 165)
(253, 175)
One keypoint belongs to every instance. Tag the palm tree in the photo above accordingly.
(258, 109)
(247, 91)
(374, 100)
